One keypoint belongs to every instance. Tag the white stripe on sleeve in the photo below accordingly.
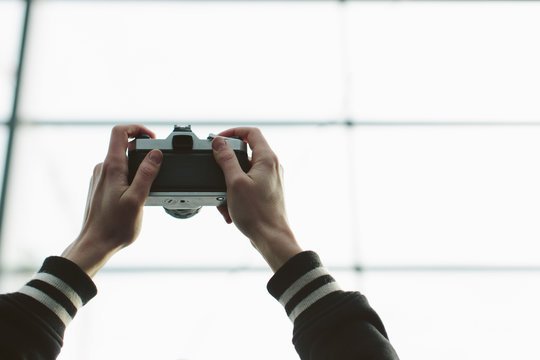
(48, 302)
(62, 286)
(300, 283)
(312, 298)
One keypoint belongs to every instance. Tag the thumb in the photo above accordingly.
(226, 159)
(145, 176)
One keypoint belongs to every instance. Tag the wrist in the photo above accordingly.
(277, 245)
(89, 255)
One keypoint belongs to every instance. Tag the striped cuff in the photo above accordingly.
(300, 283)
(62, 287)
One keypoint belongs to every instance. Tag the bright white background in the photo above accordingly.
(434, 191)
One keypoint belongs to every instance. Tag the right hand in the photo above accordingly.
(255, 202)
(114, 208)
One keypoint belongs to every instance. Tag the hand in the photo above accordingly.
(114, 208)
(255, 199)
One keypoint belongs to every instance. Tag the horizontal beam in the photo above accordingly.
(277, 123)
(343, 1)
(256, 269)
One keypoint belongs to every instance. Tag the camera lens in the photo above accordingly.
(182, 213)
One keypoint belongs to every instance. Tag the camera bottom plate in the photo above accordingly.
(185, 200)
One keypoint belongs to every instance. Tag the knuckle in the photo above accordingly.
(97, 169)
(275, 159)
(131, 201)
(106, 166)
(271, 160)
(117, 130)
(239, 184)
(255, 131)
(146, 170)
(227, 156)
(110, 167)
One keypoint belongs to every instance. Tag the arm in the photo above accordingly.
(33, 320)
(328, 322)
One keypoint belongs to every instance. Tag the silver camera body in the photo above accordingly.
(189, 177)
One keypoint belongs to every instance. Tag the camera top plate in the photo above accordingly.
(183, 139)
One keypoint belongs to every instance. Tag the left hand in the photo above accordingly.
(255, 201)
(114, 208)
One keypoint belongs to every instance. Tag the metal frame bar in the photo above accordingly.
(314, 1)
(14, 118)
(283, 123)
(263, 269)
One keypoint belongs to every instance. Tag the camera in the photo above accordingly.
(189, 177)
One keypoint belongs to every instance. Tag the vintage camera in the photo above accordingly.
(189, 177)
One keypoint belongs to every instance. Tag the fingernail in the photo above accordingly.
(218, 144)
(156, 157)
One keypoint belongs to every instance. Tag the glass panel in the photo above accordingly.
(448, 195)
(177, 316)
(444, 61)
(52, 167)
(197, 60)
(450, 316)
(11, 22)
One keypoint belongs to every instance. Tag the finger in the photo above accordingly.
(224, 211)
(145, 176)
(131, 145)
(120, 135)
(254, 137)
(226, 159)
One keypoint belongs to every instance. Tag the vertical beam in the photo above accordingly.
(14, 119)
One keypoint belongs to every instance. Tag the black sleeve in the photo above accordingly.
(328, 323)
(33, 320)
